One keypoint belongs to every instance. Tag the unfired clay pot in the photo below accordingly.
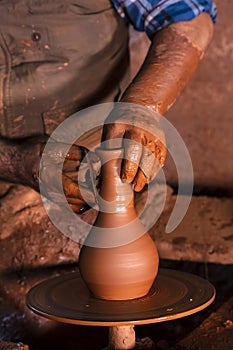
(119, 260)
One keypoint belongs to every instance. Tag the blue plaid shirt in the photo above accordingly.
(153, 15)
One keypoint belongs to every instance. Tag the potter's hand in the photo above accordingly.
(20, 163)
(174, 55)
(143, 143)
(73, 177)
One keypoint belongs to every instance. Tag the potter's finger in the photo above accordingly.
(132, 156)
(71, 165)
(75, 153)
(56, 152)
(75, 201)
(155, 169)
(147, 162)
(160, 152)
(71, 189)
(73, 175)
(140, 181)
(113, 135)
(85, 195)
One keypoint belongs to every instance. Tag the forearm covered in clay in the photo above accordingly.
(173, 57)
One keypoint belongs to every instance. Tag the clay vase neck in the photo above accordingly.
(119, 260)
(116, 196)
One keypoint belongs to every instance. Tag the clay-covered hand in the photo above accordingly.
(137, 130)
(75, 180)
(21, 161)
(173, 57)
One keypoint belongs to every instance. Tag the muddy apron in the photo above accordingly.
(57, 57)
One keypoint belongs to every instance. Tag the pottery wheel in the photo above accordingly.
(174, 294)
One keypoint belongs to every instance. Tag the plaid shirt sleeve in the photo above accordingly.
(153, 15)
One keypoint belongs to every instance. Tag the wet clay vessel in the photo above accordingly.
(119, 260)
